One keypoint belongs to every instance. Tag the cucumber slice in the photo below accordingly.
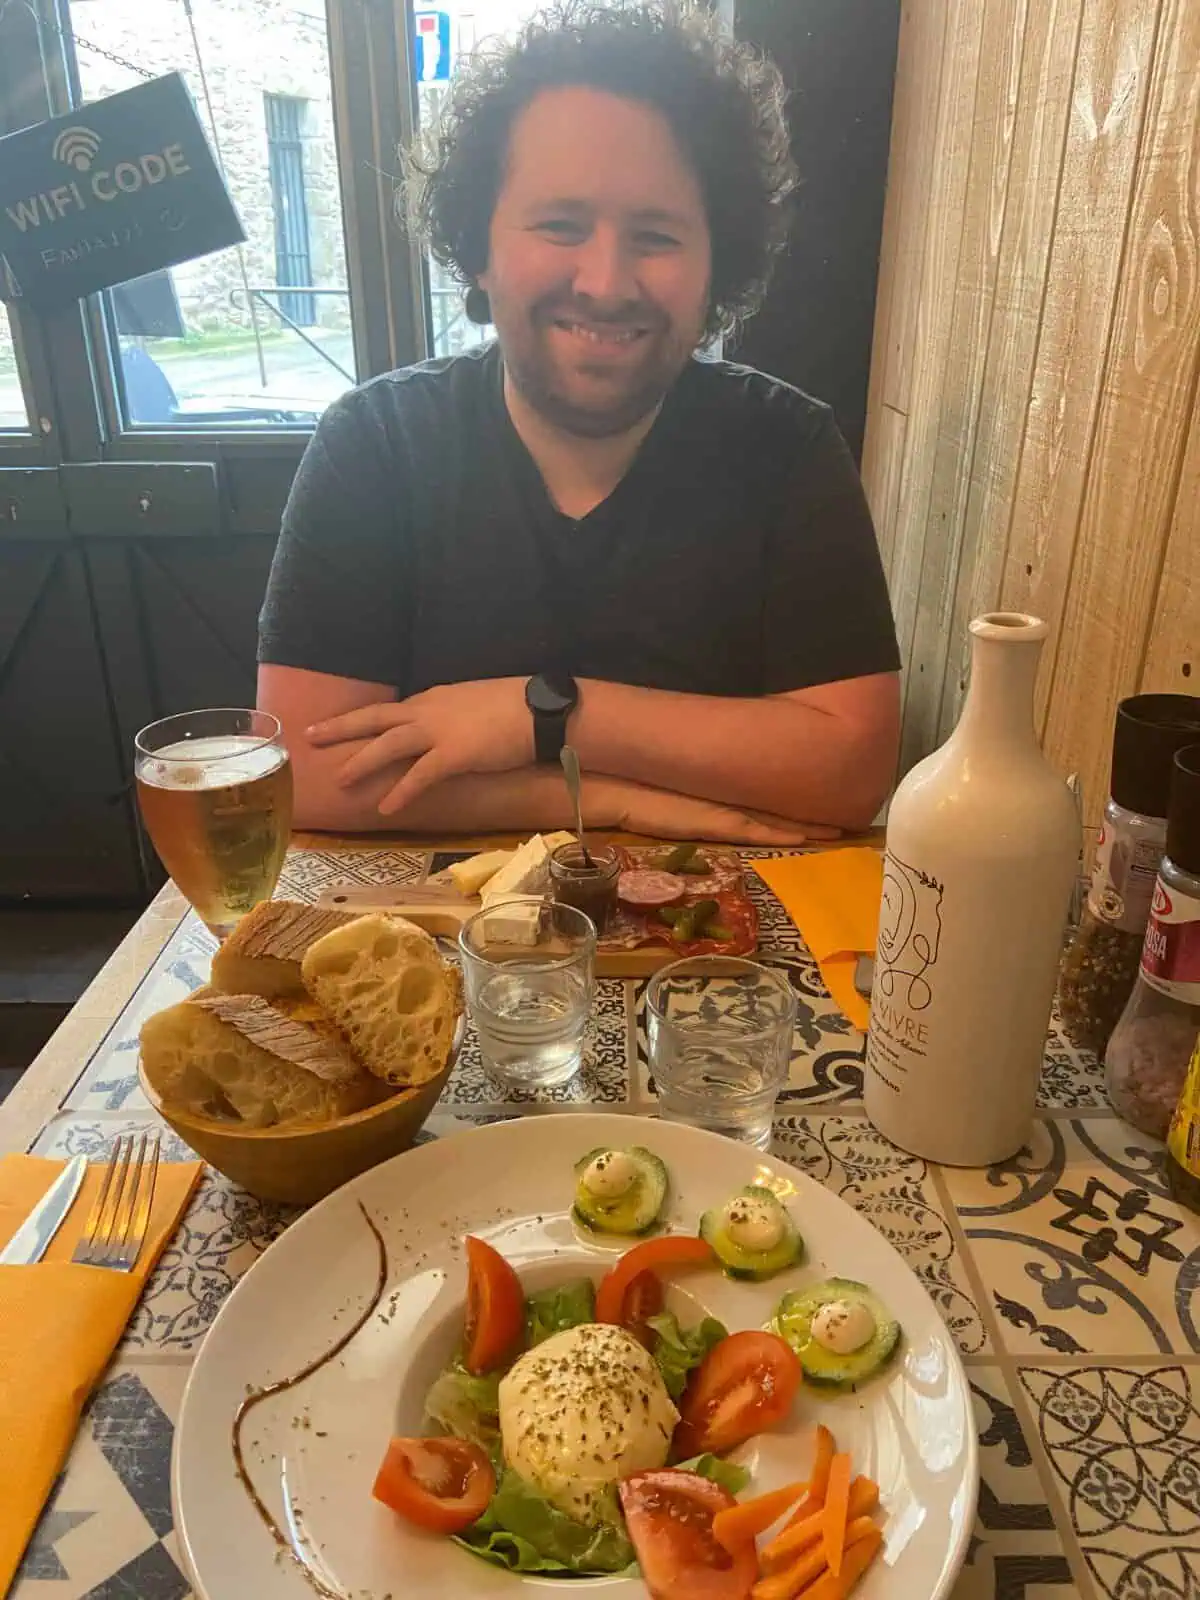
(793, 1321)
(636, 1208)
(730, 1231)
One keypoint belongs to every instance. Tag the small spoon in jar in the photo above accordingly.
(570, 766)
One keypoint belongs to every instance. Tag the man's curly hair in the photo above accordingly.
(723, 102)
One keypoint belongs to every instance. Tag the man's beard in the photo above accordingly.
(536, 373)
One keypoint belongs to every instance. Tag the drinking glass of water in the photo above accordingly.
(720, 1034)
(529, 968)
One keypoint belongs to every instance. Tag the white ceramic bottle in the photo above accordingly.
(982, 854)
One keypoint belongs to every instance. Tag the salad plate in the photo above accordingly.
(281, 1507)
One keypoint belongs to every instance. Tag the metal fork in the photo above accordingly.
(116, 1227)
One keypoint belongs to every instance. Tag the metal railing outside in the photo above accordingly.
(449, 317)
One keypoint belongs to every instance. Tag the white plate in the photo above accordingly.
(314, 1450)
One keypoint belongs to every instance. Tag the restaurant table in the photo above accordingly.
(1067, 1275)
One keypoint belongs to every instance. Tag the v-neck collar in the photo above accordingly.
(529, 473)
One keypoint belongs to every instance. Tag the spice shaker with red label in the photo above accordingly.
(1147, 1058)
(1100, 965)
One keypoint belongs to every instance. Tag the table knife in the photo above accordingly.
(32, 1238)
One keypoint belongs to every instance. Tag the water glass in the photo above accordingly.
(529, 969)
(720, 1034)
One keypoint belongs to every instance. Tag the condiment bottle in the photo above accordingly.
(1147, 1057)
(1183, 1139)
(982, 854)
(1101, 963)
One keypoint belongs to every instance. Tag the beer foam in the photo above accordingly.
(214, 763)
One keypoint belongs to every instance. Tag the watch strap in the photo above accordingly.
(551, 698)
(549, 735)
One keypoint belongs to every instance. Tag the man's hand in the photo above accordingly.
(452, 729)
(663, 815)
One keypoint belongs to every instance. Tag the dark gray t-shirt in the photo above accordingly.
(736, 556)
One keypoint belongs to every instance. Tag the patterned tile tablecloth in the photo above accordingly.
(1067, 1275)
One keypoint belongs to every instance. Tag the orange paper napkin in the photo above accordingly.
(59, 1324)
(833, 898)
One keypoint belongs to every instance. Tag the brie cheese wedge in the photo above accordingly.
(524, 874)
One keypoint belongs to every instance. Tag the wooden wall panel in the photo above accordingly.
(920, 52)
(1142, 422)
(990, 142)
(1173, 649)
(1041, 117)
(1033, 437)
(932, 319)
(1112, 71)
(887, 438)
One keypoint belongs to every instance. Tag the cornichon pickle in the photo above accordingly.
(676, 860)
(693, 918)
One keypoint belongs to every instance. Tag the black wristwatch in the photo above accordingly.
(551, 697)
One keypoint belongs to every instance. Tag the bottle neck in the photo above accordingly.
(999, 704)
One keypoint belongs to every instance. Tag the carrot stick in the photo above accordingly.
(837, 1500)
(817, 1478)
(837, 1585)
(859, 1528)
(795, 1538)
(740, 1525)
(784, 1585)
(798, 1536)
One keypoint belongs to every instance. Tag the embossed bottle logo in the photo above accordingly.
(910, 935)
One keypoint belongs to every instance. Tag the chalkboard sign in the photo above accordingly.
(107, 193)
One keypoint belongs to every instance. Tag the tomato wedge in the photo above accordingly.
(495, 1327)
(643, 1300)
(673, 1250)
(670, 1515)
(744, 1384)
(440, 1484)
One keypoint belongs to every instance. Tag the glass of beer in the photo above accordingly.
(215, 788)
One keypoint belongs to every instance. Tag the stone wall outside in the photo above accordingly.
(251, 48)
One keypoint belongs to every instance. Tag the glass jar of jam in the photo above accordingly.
(591, 889)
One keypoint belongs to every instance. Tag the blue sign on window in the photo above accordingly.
(433, 46)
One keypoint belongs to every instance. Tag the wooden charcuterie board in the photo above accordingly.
(631, 949)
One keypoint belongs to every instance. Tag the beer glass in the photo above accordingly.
(215, 790)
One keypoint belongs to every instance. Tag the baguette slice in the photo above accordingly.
(383, 981)
(240, 1058)
(263, 953)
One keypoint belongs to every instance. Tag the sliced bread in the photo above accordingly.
(385, 984)
(244, 1059)
(263, 953)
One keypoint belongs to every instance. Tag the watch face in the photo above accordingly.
(551, 692)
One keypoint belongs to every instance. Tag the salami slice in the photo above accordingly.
(650, 890)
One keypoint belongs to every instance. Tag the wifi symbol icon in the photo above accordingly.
(76, 147)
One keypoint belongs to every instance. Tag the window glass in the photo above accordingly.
(444, 35)
(13, 414)
(259, 335)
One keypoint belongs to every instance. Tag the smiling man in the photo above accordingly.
(584, 532)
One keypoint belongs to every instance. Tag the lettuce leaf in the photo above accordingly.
(678, 1350)
(551, 1311)
(467, 1406)
(727, 1473)
(522, 1531)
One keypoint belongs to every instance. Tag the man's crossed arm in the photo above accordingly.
(460, 757)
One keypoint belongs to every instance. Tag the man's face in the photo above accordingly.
(599, 264)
